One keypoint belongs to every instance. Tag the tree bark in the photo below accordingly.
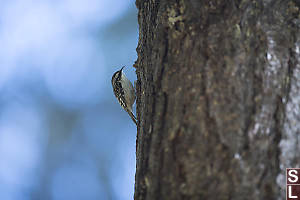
(217, 98)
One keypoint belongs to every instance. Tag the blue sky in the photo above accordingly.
(62, 133)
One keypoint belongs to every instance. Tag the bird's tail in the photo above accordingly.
(132, 117)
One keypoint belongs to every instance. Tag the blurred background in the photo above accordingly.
(63, 134)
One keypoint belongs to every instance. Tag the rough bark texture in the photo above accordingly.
(217, 98)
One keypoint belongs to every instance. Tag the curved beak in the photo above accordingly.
(122, 68)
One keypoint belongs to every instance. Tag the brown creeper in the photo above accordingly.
(124, 92)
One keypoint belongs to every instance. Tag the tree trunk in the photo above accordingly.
(217, 98)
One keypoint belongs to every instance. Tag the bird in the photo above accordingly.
(124, 92)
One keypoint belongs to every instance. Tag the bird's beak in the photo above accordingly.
(122, 68)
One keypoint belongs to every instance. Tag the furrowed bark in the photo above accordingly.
(215, 79)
